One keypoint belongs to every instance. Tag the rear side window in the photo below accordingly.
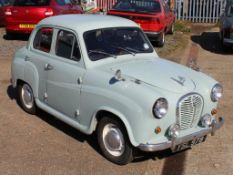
(31, 3)
(43, 39)
(66, 46)
(144, 6)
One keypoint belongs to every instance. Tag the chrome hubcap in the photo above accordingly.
(27, 96)
(113, 140)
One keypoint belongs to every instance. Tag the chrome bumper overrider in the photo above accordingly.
(176, 141)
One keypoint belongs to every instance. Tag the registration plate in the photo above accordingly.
(27, 26)
(188, 144)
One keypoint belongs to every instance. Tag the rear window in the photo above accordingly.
(31, 2)
(147, 6)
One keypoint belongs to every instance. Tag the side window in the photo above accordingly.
(43, 39)
(66, 46)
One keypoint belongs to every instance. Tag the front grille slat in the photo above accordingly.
(189, 110)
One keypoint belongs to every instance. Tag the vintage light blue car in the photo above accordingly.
(100, 73)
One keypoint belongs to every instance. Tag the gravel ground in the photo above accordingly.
(43, 145)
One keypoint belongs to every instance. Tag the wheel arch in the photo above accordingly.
(115, 115)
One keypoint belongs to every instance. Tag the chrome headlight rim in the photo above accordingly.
(216, 92)
(160, 108)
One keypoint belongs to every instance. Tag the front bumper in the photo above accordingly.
(176, 141)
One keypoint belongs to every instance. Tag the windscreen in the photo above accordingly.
(113, 42)
(143, 6)
(31, 2)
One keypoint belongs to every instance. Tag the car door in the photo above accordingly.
(39, 56)
(65, 73)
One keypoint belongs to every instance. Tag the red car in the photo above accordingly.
(23, 15)
(153, 16)
(3, 5)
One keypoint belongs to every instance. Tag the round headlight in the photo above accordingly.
(160, 108)
(216, 92)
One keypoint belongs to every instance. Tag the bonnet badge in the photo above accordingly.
(180, 80)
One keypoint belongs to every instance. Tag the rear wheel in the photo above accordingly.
(26, 98)
(113, 141)
(172, 29)
(161, 41)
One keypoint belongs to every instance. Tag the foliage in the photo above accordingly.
(182, 26)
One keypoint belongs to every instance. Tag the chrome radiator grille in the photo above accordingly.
(189, 110)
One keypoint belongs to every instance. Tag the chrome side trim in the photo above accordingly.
(176, 141)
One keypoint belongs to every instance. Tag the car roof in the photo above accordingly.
(82, 23)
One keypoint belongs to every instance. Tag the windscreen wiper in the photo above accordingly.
(130, 52)
(102, 52)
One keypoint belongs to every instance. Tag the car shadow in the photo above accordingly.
(210, 41)
(18, 37)
(92, 139)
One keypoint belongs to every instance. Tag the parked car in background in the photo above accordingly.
(153, 16)
(226, 25)
(23, 15)
(3, 5)
(100, 73)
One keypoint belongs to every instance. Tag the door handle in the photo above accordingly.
(48, 67)
(26, 58)
(80, 80)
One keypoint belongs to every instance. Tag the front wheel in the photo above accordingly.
(26, 98)
(113, 141)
